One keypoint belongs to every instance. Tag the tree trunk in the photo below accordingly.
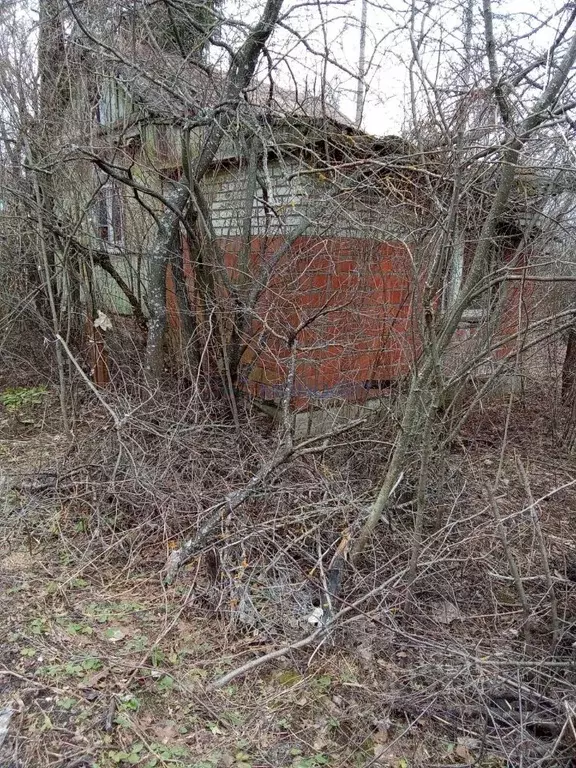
(161, 255)
(569, 368)
(238, 79)
(53, 101)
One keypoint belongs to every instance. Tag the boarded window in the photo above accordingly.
(109, 214)
(111, 105)
(107, 107)
(164, 147)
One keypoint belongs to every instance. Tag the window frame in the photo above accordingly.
(109, 214)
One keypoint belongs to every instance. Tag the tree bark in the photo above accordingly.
(53, 101)
(161, 255)
(238, 79)
(423, 379)
(569, 368)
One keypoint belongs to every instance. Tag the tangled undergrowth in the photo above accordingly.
(105, 664)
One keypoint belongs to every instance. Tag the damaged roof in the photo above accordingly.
(168, 87)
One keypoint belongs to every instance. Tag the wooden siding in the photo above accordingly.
(226, 193)
(294, 194)
(115, 103)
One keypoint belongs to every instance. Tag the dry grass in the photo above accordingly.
(104, 662)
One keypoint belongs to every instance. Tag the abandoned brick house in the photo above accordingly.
(315, 224)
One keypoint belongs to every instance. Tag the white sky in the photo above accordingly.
(335, 27)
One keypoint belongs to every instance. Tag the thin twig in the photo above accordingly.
(117, 422)
(511, 562)
(232, 501)
(279, 652)
(543, 550)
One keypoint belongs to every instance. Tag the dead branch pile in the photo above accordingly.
(459, 647)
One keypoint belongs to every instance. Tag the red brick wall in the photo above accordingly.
(353, 297)
(357, 302)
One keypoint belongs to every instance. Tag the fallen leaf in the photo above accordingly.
(464, 753)
(319, 743)
(468, 741)
(380, 750)
(166, 733)
(90, 694)
(95, 679)
(365, 653)
(381, 736)
(445, 612)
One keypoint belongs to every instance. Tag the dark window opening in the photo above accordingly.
(109, 214)
(380, 384)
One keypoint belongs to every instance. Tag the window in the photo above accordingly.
(111, 104)
(106, 105)
(164, 148)
(109, 214)
(101, 116)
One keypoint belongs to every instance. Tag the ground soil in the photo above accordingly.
(103, 665)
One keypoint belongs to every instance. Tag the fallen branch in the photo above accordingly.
(511, 562)
(225, 508)
(279, 652)
(118, 423)
(37, 683)
(257, 662)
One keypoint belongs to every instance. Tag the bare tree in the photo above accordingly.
(449, 191)
(514, 131)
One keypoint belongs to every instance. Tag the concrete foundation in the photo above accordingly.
(319, 421)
